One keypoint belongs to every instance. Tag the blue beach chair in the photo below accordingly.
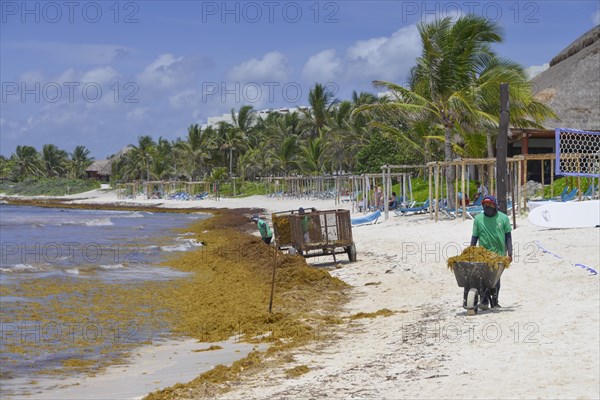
(417, 209)
(367, 219)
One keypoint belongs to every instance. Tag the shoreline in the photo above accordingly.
(152, 367)
(428, 347)
(79, 390)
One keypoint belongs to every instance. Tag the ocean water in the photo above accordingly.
(109, 245)
(77, 246)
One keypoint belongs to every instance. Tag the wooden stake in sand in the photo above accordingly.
(273, 280)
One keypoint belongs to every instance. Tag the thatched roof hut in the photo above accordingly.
(571, 86)
(100, 169)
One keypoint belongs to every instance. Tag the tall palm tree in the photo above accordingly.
(27, 162)
(313, 155)
(79, 161)
(230, 139)
(321, 101)
(195, 150)
(138, 161)
(163, 166)
(451, 81)
(244, 121)
(54, 160)
(285, 153)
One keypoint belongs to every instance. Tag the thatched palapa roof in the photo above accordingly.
(101, 167)
(571, 86)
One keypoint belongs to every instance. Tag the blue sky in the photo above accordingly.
(102, 73)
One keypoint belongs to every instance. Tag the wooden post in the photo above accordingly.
(436, 179)
(551, 178)
(273, 279)
(512, 193)
(385, 171)
(430, 193)
(525, 184)
(578, 161)
(543, 181)
(501, 147)
(462, 188)
(455, 188)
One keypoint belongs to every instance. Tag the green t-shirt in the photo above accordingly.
(491, 231)
(304, 224)
(263, 228)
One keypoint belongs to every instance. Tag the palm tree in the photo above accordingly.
(452, 81)
(321, 100)
(230, 139)
(27, 162)
(163, 166)
(80, 160)
(54, 160)
(244, 122)
(313, 155)
(137, 162)
(195, 150)
(341, 135)
(284, 154)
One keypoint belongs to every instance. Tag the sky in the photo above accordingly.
(103, 73)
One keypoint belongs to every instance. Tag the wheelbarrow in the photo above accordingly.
(479, 280)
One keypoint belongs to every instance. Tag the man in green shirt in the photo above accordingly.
(492, 230)
(263, 227)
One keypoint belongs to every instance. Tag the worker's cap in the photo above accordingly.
(490, 201)
(255, 218)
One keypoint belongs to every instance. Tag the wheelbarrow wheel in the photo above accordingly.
(351, 250)
(472, 300)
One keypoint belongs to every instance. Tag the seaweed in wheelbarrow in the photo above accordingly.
(481, 255)
(477, 270)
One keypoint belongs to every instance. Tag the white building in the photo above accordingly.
(213, 121)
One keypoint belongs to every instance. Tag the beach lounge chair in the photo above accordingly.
(367, 219)
(417, 209)
(569, 196)
(477, 201)
(591, 192)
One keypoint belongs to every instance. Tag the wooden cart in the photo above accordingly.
(315, 233)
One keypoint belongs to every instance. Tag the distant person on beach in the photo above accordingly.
(460, 199)
(492, 230)
(263, 227)
(378, 197)
(304, 221)
(393, 203)
(482, 190)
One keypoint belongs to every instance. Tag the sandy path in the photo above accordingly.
(543, 343)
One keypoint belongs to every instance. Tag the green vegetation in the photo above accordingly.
(48, 187)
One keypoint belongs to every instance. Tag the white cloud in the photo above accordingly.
(384, 58)
(166, 72)
(189, 98)
(322, 67)
(535, 70)
(137, 114)
(30, 77)
(69, 75)
(596, 17)
(273, 67)
(101, 75)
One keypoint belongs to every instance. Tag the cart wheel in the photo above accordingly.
(472, 300)
(351, 250)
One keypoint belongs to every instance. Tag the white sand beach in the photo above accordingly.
(542, 343)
